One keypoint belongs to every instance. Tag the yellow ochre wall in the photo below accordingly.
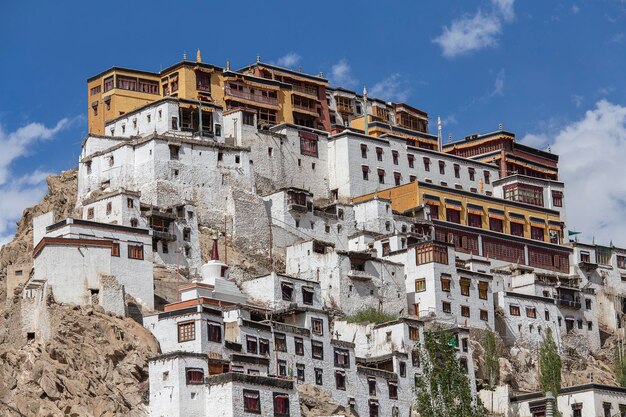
(409, 196)
(122, 101)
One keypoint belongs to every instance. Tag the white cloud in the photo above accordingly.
(505, 8)
(498, 84)
(575, 9)
(288, 60)
(536, 140)
(469, 34)
(341, 74)
(605, 91)
(449, 120)
(19, 192)
(592, 152)
(392, 88)
(474, 32)
(16, 144)
(577, 100)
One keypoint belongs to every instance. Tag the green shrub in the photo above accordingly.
(370, 315)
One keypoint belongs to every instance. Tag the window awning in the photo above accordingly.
(496, 216)
(381, 171)
(538, 221)
(195, 107)
(261, 86)
(453, 202)
(201, 69)
(365, 168)
(430, 197)
(477, 212)
(457, 208)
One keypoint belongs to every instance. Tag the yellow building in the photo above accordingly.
(117, 91)
(275, 94)
(474, 210)
(303, 96)
(378, 128)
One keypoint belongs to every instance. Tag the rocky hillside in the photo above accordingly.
(61, 199)
(93, 365)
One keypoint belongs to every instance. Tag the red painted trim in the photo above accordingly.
(59, 241)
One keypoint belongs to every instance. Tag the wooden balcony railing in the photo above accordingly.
(258, 98)
(312, 91)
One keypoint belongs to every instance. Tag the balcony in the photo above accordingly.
(308, 109)
(257, 98)
(300, 208)
(167, 236)
(289, 328)
(566, 302)
(343, 108)
(305, 89)
(360, 275)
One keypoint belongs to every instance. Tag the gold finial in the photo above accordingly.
(198, 56)
(184, 56)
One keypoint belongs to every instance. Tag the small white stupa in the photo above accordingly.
(213, 282)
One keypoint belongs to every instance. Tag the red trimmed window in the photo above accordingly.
(251, 401)
(195, 376)
(281, 405)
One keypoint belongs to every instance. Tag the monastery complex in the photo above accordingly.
(347, 202)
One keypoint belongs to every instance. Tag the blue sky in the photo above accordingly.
(553, 72)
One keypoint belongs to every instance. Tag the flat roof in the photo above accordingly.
(282, 69)
(570, 390)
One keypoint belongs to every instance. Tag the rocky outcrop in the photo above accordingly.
(61, 199)
(316, 402)
(93, 364)
(519, 364)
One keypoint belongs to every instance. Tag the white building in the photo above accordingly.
(282, 156)
(602, 270)
(350, 281)
(589, 400)
(90, 251)
(534, 299)
(525, 319)
(166, 168)
(436, 287)
(361, 164)
(181, 385)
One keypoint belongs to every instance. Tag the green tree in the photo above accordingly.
(549, 366)
(492, 365)
(443, 389)
(620, 365)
